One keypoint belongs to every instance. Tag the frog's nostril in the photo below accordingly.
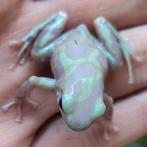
(75, 41)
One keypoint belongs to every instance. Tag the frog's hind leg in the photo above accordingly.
(115, 46)
(23, 92)
(107, 127)
(42, 34)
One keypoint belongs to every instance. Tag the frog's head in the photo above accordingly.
(81, 104)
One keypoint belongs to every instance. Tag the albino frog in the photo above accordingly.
(79, 62)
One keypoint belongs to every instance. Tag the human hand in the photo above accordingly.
(43, 127)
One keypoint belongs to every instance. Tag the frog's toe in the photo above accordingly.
(8, 104)
(22, 45)
(109, 131)
(23, 54)
(15, 43)
(33, 103)
(106, 136)
(18, 119)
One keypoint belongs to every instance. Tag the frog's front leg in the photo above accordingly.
(114, 46)
(24, 90)
(41, 35)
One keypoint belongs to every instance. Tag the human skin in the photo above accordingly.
(43, 127)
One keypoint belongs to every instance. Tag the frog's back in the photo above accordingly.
(76, 51)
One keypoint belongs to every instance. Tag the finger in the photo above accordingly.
(129, 117)
(119, 12)
(123, 13)
(117, 81)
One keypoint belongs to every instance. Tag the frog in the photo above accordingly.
(80, 62)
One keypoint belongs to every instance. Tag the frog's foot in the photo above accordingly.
(40, 36)
(109, 131)
(24, 53)
(18, 102)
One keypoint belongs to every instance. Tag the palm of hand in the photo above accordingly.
(34, 131)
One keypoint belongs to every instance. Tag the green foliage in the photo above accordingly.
(142, 142)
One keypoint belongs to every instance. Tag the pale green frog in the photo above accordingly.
(79, 62)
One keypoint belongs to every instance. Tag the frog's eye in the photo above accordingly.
(60, 103)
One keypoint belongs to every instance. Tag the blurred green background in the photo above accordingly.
(142, 142)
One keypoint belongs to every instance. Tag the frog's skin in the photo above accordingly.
(79, 62)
